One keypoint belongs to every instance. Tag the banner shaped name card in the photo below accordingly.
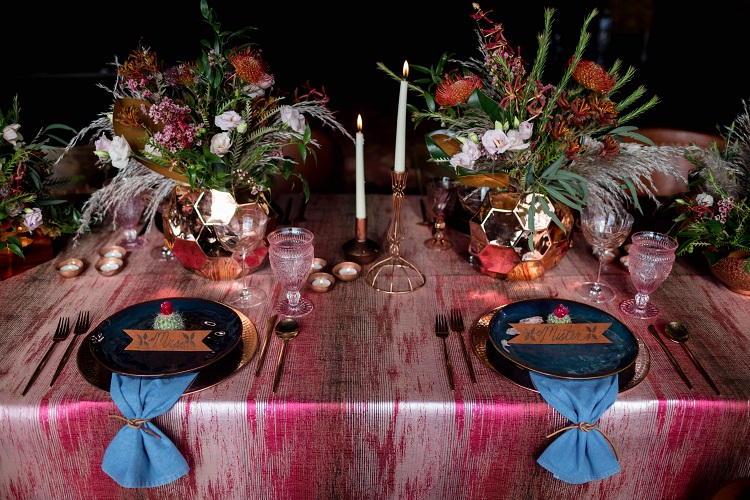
(560, 333)
(167, 340)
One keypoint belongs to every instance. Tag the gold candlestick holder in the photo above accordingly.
(361, 249)
(394, 274)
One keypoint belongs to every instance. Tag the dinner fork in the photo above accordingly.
(441, 330)
(457, 325)
(61, 333)
(81, 326)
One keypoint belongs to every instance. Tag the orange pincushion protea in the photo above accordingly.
(594, 77)
(249, 65)
(457, 89)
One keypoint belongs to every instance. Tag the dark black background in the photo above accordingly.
(53, 56)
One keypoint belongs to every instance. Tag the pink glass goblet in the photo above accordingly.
(291, 253)
(127, 216)
(650, 261)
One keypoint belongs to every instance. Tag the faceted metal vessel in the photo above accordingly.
(499, 245)
(191, 238)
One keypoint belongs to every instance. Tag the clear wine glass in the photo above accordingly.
(241, 234)
(291, 253)
(605, 228)
(650, 261)
(441, 197)
(127, 215)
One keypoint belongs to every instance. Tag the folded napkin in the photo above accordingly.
(140, 455)
(582, 453)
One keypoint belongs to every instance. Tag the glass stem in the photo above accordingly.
(293, 297)
(596, 286)
(130, 235)
(244, 277)
(439, 226)
(641, 299)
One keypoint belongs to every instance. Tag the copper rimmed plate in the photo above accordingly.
(488, 355)
(99, 376)
(108, 341)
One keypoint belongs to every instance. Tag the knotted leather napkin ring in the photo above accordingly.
(138, 423)
(585, 427)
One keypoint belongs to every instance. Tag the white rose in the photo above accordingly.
(220, 144)
(228, 120)
(704, 199)
(119, 152)
(293, 118)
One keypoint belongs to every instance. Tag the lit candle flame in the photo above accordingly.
(359, 123)
(406, 69)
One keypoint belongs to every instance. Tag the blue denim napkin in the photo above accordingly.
(136, 457)
(579, 456)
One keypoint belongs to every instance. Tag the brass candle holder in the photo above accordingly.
(395, 274)
(361, 249)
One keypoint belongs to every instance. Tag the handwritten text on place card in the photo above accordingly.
(560, 333)
(167, 340)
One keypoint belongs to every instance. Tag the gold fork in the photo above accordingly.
(82, 326)
(457, 325)
(61, 333)
(441, 330)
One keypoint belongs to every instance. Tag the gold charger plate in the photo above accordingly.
(480, 338)
(100, 376)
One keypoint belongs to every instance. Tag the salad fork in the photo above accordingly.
(81, 327)
(441, 330)
(61, 333)
(457, 325)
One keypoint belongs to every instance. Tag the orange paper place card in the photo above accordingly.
(167, 340)
(560, 333)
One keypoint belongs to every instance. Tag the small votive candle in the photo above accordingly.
(347, 271)
(69, 267)
(113, 253)
(318, 265)
(109, 266)
(321, 282)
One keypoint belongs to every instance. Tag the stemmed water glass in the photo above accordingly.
(291, 253)
(241, 234)
(605, 228)
(441, 197)
(650, 261)
(127, 215)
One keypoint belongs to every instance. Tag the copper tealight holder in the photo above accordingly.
(69, 268)
(346, 271)
(321, 282)
(113, 251)
(109, 266)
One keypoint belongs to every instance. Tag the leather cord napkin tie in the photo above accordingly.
(578, 456)
(134, 459)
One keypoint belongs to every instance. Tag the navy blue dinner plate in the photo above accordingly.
(575, 361)
(108, 340)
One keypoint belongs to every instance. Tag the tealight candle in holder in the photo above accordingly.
(69, 268)
(321, 282)
(318, 265)
(115, 252)
(346, 271)
(109, 266)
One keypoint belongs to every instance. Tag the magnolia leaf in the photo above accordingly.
(484, 180)
(447, 144)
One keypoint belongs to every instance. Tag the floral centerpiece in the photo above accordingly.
(504, 127)
(713, 218)
(215, 123)
(28, 183)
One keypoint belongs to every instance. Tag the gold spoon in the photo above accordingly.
(286, 329)
(677, 332)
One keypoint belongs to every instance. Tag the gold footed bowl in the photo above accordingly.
(730, 271)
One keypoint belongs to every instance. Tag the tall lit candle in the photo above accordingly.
(360, 171)
(399, 162)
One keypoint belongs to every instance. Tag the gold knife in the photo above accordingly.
(652, 331)
(269, 328)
